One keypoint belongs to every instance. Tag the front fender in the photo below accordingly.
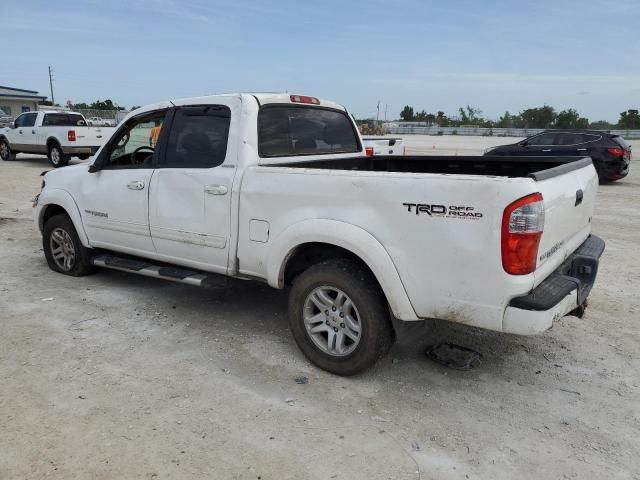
(347, 236)
(62, 198)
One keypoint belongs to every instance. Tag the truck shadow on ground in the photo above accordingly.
(249, 309)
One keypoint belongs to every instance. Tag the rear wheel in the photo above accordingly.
(56, 156)
(339, 317)
(62, 247)
(5, 152)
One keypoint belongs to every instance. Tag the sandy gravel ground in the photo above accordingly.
(118, 376)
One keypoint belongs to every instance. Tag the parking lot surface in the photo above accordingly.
(118, 376)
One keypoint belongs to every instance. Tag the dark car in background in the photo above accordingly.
(611, 155)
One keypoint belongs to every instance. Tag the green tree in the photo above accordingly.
(540, 117)
(601, 125)
(508, 121)
(441, 119)
(570, 118)
(629, 120)
(470, 115)
(407, 113)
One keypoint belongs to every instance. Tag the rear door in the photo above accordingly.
(190, 196)
(567, 144)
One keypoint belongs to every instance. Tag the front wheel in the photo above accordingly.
(339, 317)
(62, 247)
(57, 157)
(5, 152)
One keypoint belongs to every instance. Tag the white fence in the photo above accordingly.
(417, 128)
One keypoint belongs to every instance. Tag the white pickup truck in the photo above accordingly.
(389, 146)
(59, 135)
(277, 188)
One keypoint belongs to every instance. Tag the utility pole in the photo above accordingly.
(386, 107)
(53, 102)
(378, 110)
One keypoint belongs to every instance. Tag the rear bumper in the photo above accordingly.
(614, 170)
(80, 150)
(561, 292)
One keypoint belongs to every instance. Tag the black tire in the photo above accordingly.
(361, 288)
(84, 156)
(5, 151)
(57, 157)
(62, 225)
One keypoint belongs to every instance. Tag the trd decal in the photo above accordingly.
(436, 210)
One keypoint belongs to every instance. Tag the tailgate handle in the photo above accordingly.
(579, 197)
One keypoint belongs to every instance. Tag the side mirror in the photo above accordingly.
(524, 144)
(97, 164)
(12, 125)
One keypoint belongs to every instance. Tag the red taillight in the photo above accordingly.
(368, 151)
(616, 152)
(522, 226)
(71, 135)
(304, 99)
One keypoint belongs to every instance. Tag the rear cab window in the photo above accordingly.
(292, 130)
(63, 120)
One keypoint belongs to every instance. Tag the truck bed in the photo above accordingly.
(538, 168)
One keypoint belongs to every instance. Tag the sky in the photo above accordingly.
(495, 55)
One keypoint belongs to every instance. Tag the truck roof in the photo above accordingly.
(262, 98)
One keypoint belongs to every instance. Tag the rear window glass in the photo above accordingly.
(620, 141)
(63, 120)
(290, 130)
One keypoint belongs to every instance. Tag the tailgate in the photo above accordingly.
(385, 146)
(569, 200)
(92, 136)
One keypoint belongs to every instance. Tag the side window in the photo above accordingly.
(19, 121)
(135, 144)
(198, 137)
(542, 139)
(586, 138)
(30, 119)
(567, 138)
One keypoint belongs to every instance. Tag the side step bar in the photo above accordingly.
(174, 274)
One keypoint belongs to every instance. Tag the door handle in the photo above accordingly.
(33, 132)
(216, 189)
(20, 131)
(135, 185)
(582, 149)
(547, 150)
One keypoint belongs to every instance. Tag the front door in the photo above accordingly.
(190, 196)
(115, 200)
(540, 145)
(24, 135)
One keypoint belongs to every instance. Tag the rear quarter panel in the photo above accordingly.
(450, 265)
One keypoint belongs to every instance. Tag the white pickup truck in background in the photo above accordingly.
(277, 188)
(57, 134)
(383, 146)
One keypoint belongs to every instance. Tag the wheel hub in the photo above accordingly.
(332, 321)
(62, 249)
